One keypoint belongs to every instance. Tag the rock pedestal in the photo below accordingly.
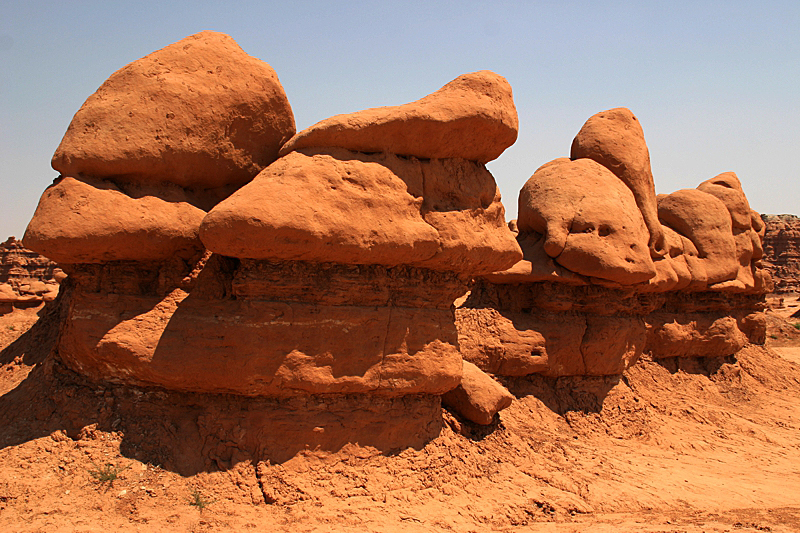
(200, 262)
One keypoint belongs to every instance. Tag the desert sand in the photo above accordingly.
(676, 445)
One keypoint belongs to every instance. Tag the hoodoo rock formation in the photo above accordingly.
(782, 251)
(213, 251)
(26, 278)
(587, 298)
(200, 263)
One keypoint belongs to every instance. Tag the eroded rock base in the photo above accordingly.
(260, 328)
(563, 330)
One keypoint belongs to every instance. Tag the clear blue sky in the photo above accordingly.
(716, 85)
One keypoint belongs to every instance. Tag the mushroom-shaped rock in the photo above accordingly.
(706, 222)
(199, 113)
(615, 139)
(473, 117)
(478, 397)
(589, 220)
(90, 220)
(355, 208)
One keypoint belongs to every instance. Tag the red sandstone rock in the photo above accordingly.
(90, 220)
(706, 222)
(25, 277)
(615, 139)
(265, 329)
(693, 335)
(473, 117)
(199, 113)
(782, 251)
(589, 220)
(745, 224)
(7, 293)
(478, 397)
(347, 207)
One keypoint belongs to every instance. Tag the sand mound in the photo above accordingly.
(687, 444)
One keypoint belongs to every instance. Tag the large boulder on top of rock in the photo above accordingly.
(705, 221)
(589, 221)
(355, 208)
(615, 139)
(88, 220)
(745, 223)
(728, 189)
(473, 117)
(199, 113)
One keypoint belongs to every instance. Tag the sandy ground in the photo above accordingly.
(674, 446)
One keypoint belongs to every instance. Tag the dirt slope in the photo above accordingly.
(680, 445)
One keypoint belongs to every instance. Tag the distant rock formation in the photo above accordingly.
(588, 298)
(782, 251)
(26, 278)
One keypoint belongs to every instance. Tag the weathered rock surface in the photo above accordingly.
(782, 251)
(589, 221)
(588, 298)
(478, 397)
(89, 220)
(706, 222)
(440, 214)
(473, 117)
(747, 225)
(199, 113)
(264, 329)
(339, 268)
(556, 329)
(26, 278)
(615, 139)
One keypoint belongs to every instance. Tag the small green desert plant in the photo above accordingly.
(12, 328)
(107, 473)
(773, 336)
(198, 500)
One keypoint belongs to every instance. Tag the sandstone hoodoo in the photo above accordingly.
(162, 141)
(473, 117)
(615, 139)
(212, 252)
(331, 271)
(587, 299)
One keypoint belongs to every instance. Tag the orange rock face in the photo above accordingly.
(588, 298)
(782, 251)
(26, 278)
(473, 117)
(441, 214)
(265, 329)
(198, 262)
(615, 139)
(199, 113)
(89, 220)
(588, 220)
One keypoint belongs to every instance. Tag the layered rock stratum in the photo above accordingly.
(26, 278)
